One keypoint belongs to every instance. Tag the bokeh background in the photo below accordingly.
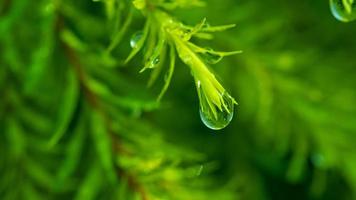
(292, 136)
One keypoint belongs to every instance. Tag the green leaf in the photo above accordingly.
(38, 172)
(91, 185)
(134, 103)
(67, 107)
(199, 49)
(110, 8)
(140, 43)
(191, 31)
(298, 163)
(347, 5)
(32, 117)
(73, 41)
(205, 36)
(73, 152)
(155, 58)
(217, 28)
(158, 69)
(16, 139)
(171, 5)
(103, 144)
(30, 192)
(119, 35)
(41, 56)
(16, 11)
(209, 55)
(169, 74)
(204, 27)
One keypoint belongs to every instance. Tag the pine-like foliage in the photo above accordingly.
(78, 121)
(72, 116)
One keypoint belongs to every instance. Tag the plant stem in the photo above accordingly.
(94, 101)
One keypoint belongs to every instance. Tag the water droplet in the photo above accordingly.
(153, 62)
(211, 57)
(135, 38)
(222, 118)
(343, 10)
(185, 34)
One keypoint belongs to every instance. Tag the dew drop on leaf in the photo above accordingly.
(211, 58)
(154, 62)
(222, 118)
(343, 10)
(135, 38)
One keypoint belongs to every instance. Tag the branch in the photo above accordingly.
(94, 101)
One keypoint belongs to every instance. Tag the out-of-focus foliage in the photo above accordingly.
(78, 122)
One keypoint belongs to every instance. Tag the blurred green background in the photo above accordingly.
(292, 137)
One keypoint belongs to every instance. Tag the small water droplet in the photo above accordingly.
(154, 62)
(135, 38)
(151, 63)
(211, 57)
(343, 10)
(185, 34)
(222, 118)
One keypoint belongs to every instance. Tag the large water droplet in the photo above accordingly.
(222, 118)
(135, 38)
(343, 10)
